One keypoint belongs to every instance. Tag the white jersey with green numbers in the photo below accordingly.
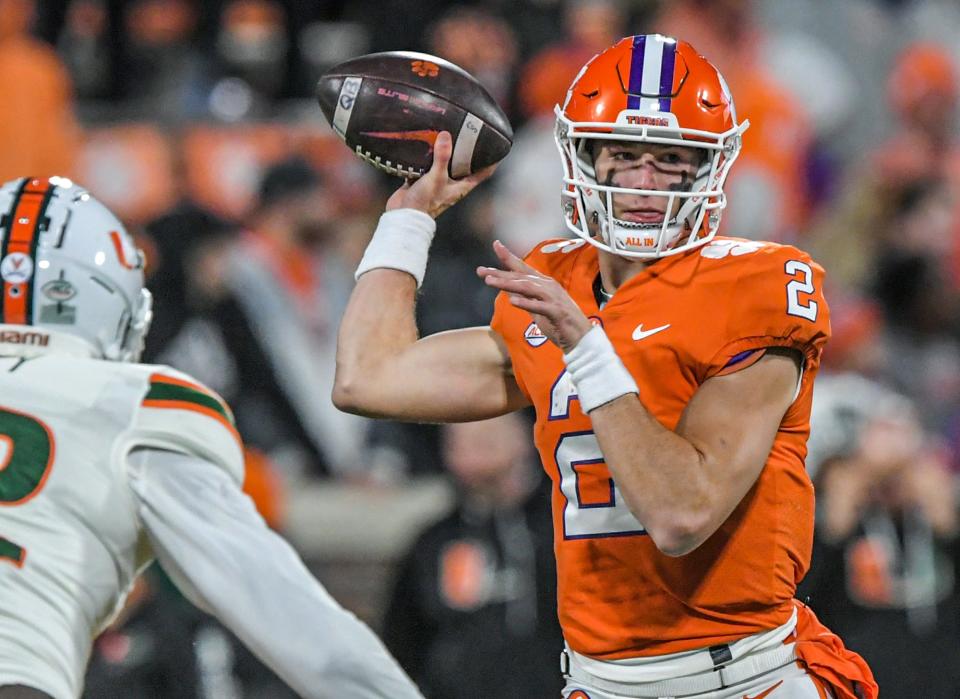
(71, 541)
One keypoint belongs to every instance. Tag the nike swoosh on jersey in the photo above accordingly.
(765, 692)
(639, 333)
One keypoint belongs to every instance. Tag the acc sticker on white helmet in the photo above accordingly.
(59, 290)
(16, 268)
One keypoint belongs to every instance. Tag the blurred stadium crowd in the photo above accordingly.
(195, 122)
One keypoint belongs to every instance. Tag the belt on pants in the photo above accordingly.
(720, 677)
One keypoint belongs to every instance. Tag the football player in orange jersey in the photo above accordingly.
(671, 372)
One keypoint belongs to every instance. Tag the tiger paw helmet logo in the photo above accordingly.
(425, 69)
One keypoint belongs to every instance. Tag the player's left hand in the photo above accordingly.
(554, 312)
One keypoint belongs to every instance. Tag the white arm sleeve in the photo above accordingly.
(211, 541)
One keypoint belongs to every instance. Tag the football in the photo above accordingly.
(389, 107)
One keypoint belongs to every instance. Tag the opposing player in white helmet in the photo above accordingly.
(106, 464)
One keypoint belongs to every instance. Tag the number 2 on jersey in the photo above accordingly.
(594, 507)
(797, 286)
(26, 456)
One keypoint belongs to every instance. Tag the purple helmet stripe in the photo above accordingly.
(666, 74)
(636, 72)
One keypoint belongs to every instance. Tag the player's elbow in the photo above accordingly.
(675, 546)
(343, 398)
(676, 543)
(670, 542)
(680, 535)
(348, 395)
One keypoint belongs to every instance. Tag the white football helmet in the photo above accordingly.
(70, 270)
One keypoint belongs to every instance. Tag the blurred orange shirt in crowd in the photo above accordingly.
(546, 77)
(588, 28)
(38, 132)
(923, 93)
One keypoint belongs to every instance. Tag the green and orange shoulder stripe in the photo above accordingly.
(180, 394)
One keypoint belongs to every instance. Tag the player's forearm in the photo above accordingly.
(217, 549)
(377, 326)
(661, 475)
(683, 484)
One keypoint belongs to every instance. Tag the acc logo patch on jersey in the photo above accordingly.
(534, 335)
(16, 268)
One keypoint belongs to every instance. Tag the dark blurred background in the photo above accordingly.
(195, 122)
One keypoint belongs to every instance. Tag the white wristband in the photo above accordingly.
(401, 241)
(597, 371)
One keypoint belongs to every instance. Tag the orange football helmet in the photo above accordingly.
(653, 89)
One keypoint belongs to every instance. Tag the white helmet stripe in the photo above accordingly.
(650, 84)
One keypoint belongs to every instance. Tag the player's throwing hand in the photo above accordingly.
(436, 191)
(554, 312)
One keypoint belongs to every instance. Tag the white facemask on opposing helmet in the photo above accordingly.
(68, 267)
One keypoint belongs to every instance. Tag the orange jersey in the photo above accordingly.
(675, 324)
